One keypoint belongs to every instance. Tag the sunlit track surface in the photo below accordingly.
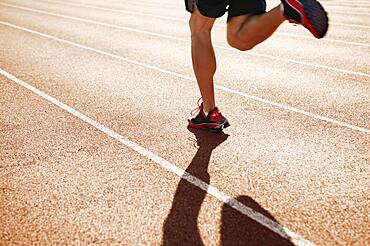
(94, 155)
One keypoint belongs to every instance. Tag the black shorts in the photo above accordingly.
(217, 8)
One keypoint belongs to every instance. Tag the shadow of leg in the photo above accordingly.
(239, 229)
(180, 227)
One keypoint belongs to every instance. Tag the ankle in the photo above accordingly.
(207, 109)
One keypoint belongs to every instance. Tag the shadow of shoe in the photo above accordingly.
(208, 140)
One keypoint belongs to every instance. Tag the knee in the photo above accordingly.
(242, 47)
(199, 28)
(239, 44)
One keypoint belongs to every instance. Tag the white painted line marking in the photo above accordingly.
(349, 25)
(348, 13)
(344, 6)
(323, 39)
(366, 2)
(347, 2)
(156, 16)
(115, 10)
(236, 92)
(296, 110)
(273, 226)
(354, 1)
(166, 36)
(180, 5)
(187, 40)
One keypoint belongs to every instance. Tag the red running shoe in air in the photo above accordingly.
(308, 13)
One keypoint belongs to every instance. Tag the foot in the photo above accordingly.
(213, 121)
(308, 13)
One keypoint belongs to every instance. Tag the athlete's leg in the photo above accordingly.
(203, 56)
(249, 24)
(246, 31)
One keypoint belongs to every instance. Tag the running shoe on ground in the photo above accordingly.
(308, 13)
(213, 121)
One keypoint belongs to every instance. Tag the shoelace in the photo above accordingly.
(198, 109)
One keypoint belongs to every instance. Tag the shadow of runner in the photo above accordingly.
(180, 226)
(239, 229)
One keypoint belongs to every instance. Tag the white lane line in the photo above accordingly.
(151, 33)
(366, 3)
(349, 25)
(296, 110)
(346, 5)
(354, 1)
(354, 6)
(288, 60)
(324, 39)
(342, 12)
(273, 226)
(156, 16)
(346, 2)
(232, 91)
(180, 5)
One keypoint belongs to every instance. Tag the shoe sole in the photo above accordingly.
(210, 126)
(220, 129)
(313, 16)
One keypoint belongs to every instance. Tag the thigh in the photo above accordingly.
(240, 10)
(245, 8)
(208, 8)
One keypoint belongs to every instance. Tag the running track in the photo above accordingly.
(94, 148)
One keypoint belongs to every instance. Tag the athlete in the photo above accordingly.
(248, 24)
